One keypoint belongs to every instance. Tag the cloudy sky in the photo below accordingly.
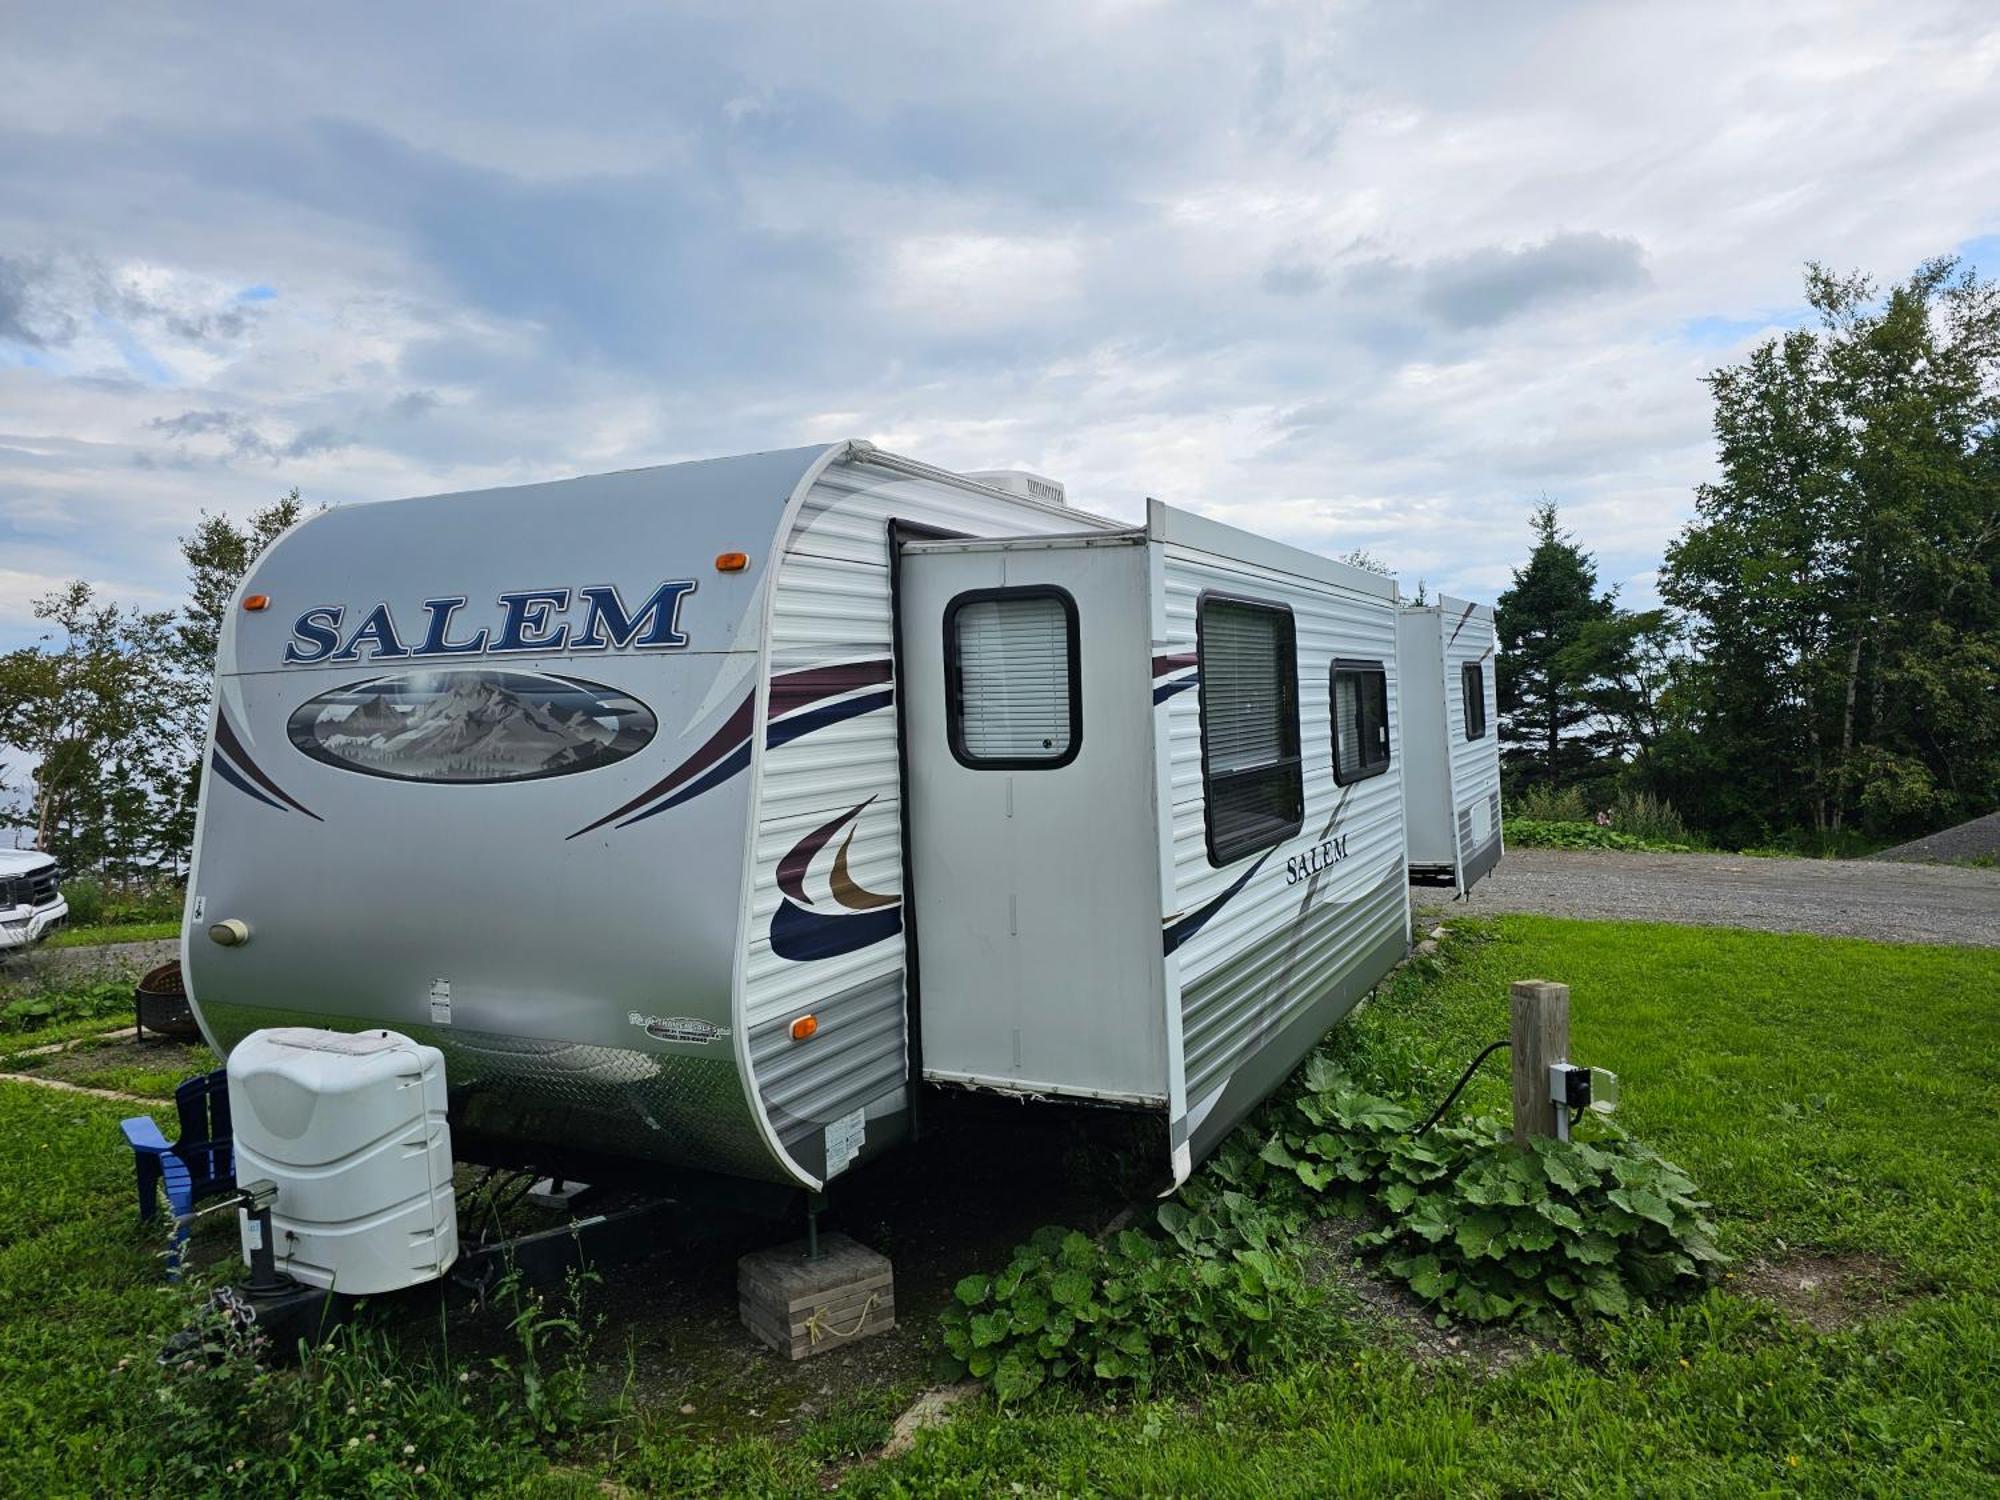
(1355, 275)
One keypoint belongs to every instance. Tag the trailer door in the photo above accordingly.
(1026, 695)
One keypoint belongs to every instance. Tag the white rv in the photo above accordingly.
(1451, 771)
(700, 814)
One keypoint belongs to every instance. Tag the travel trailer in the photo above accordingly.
(1451, 755)
(699, 815)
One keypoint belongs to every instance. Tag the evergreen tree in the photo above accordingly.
(1546, 672)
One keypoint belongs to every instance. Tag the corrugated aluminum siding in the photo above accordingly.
(1272, 948)
(1475, 764)
(832, 606)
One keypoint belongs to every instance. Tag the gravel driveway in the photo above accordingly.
(1896, 903)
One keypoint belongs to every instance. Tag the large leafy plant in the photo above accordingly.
(1485, 1229)
(1480, 1229)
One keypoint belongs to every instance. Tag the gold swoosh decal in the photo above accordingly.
(846, 892)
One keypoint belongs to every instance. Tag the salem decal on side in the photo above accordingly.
(529, 622)
(1315, 859)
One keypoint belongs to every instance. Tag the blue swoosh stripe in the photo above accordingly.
(802, 936)
(231, 775)
(781, 732)
(1194, 921)
(1166, 690)
(784, 731)
(737, 760)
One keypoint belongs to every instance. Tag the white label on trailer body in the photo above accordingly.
(440, 1002)
(843, 1140)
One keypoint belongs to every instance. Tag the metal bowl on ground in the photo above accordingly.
(160, 1005)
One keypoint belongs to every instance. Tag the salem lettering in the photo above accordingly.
(531, 621)
(1304, 866)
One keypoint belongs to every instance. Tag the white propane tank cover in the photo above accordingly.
(351, 1129)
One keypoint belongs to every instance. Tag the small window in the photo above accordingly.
(1014, 694)
(1360, 720)
(1251, 785)
(1472, 685)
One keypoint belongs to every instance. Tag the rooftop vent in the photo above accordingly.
(1021, 482)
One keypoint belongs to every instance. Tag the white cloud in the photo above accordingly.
(1360, 276)
(976, 283)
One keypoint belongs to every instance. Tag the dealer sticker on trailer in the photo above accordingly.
(843, 1141)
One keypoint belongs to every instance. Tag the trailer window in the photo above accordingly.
(1472, 685)
(1248, 674)
(1360, 720)
(1015, 701)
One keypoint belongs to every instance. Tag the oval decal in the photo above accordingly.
(471, 727)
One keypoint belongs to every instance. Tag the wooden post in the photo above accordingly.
(1539, 1036)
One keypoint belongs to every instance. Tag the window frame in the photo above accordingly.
(1369, 769)
(954, 681)
(1469, 673)
(1230, 852)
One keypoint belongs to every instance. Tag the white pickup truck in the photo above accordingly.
(30, 901)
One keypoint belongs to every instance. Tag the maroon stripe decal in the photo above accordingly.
(1165, 664)
(735, 729)
(1461, 622)
(225, 737)
(792, 690)
(792, 868)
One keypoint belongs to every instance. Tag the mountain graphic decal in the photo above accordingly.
(471, 726)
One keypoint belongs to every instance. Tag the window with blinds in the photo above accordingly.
(1011, 673)
(1251, 781)
(1472, 684)
(1360, 720)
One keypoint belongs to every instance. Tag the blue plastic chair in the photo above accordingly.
(201, 1164)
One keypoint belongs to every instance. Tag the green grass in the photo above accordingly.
(1830, 1096)
(1823, 1091)
(113, 932)
(13, 1044)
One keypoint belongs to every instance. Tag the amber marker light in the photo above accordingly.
(804, 1027)
(733, 562)
(256, 601)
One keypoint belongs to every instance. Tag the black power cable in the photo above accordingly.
(1463, 1079)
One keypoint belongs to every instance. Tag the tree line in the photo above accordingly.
(1825, 666)
(109, 709)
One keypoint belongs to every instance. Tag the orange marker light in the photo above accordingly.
(256, 601)
(804, 1027)
(731, 562)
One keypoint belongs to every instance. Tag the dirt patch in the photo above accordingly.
(985, 1175)
(1398, 1315)
(117, 1062)
(1826, 1292)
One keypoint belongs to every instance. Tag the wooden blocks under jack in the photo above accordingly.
(801, 1307)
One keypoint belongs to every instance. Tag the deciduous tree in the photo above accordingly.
(1843, 572)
